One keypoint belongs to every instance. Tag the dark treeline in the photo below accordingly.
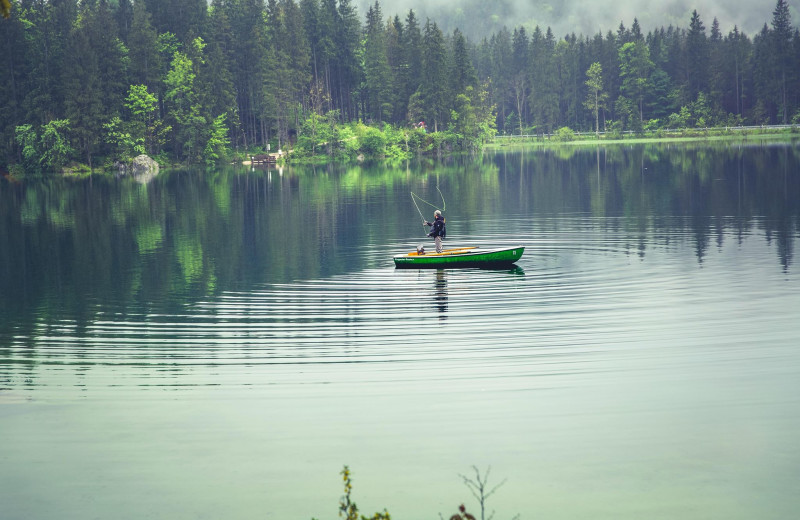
(190, 81)
(670, 77)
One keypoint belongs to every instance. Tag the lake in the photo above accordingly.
(219, 344)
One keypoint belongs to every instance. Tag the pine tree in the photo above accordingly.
(112, 57)
(412, 59)
(295, 44)
(596, 96)
(377, 74)
(252, 67)
(764, 108)
(14, 73)
(462, 72)
(145, 60)
(738, 52)
(433, 88)
(183, 107)
(348, 66)
(520, 80)
(697, 57)
(183, 18)
(397, 65)
(94, 76)
(84, 106)
(501, 74)
(635, 69)
(781, 40)
(544, 93)
(217, 74)
(124, 17)
(49, 38)
(716, 75)
(310, 11)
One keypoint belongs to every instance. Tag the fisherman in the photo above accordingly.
(438, 230)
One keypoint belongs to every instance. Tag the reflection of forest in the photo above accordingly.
(116, 244)
(689, 187)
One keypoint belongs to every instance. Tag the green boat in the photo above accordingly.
(461, 257)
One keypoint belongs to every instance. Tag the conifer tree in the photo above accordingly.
(412, 57)
(635, 69)
(145, 60)
(377, 74)
(433, 88)
(501, 74)
(396, 59)
(348, 65)
(782, 52)
(124, 17)
(462, 72)
(697, 57)
(595, 83)
(521, 79)
(295, 45)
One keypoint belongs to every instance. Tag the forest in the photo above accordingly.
(192, 82)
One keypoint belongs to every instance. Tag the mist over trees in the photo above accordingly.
(479, 18)
(97, 80)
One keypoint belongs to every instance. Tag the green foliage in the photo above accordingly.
(564, 134)
(141, 103)
(348, 509)
(144, 125)
(696, 114)
(217, 146)
(56, 150)
(628, 115)
(26, 137)
(183, 108)
(320, 133)
(635, 68)
(123, 145)
(47, 150)
(373, 144)
(377, 74)
(167, 72)
(596, 98)
(473, 118)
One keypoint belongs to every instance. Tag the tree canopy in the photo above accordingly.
(193, 81)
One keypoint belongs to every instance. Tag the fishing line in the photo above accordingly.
(444, 204)
(415, 197)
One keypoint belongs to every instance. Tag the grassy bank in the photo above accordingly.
(566, 137)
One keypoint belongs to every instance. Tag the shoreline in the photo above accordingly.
(711, 134)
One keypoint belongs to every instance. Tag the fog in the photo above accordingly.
(479, 18)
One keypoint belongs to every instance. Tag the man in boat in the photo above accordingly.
(438, 230)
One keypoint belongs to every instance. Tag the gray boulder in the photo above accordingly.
(142, 168)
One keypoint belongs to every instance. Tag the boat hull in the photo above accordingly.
(462, 257)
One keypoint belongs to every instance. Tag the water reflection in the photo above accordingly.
(73, 249)
(653, 313)
(440, 293)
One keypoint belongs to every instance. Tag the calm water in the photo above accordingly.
(219, 344)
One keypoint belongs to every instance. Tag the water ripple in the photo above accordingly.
(570, 307)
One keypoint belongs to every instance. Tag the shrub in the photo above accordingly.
(373, 144)
(564, 134)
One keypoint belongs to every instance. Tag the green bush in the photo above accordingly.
(564, 134)
(373, 144)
